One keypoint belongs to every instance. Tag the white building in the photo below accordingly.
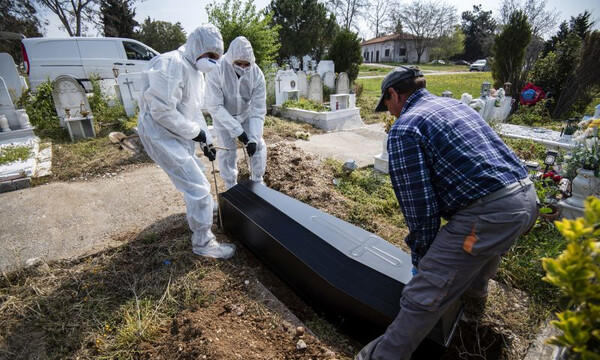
(392, 48)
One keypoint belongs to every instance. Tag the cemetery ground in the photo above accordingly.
(149, 296)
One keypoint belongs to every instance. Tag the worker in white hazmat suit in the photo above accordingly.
(236, 101)
(171, 123)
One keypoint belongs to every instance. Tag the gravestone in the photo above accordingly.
(313, 65)
(315, 90)
(285, 80)
(73, 108)
(302, 84)
(306, 59)
(329, 80)
(130, 88)
(11, 77)
(343, 84)
(295, 63)
(325, 66)
(14, 123)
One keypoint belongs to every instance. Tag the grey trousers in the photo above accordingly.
(464, 256)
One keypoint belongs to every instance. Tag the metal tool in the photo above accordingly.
(220, 224)
(247, 161)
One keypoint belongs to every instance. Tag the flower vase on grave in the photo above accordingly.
(4, 123)
(23, 119)
(584, 185)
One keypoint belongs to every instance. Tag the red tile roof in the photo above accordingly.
(387, 38)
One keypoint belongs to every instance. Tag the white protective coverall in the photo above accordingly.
(170, 117)
(238, 104)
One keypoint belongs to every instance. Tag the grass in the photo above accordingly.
(277, 128)
(456, 83)
(435, 67)
(10, 154)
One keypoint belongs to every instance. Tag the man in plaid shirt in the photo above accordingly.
(446, 162)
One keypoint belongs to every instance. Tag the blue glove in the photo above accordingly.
(414, 271)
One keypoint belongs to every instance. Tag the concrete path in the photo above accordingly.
(359, 144)
(61, 219)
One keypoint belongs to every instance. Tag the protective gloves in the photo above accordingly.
(251, 148)
(201, 138)
(210, 152)
(244, 138)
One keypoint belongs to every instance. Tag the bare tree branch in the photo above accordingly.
(541, 19)
(73, 14)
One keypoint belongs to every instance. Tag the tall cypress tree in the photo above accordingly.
(118, 18)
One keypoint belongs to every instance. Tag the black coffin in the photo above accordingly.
(343, 270)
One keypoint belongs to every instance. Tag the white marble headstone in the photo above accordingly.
(69, 94)
(130, 87)
(295, 63)
(285, 80)
(306, 59)
(325, 66)
(7, 107)
(302, 84)
(11, 77)
(342, 84)
(329, 80)
(315, 90)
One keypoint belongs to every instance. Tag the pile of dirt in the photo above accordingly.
(304, 177)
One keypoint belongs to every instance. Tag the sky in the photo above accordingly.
(192, 13)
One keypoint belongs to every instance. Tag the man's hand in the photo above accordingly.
(210, 152)
(244, 138)
(201, 138)
(251, 148)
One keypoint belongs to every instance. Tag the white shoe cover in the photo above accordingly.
(215, 250)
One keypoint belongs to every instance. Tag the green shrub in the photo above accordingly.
(576, 272)
(42, 113)
(9, 154)
(114, 117)
(304, 104)
(535, 115)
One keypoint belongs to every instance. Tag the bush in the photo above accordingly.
(576, 272)
(42, 113)
(304, 104)
(345, 53)
(104, 114)
(535, 115)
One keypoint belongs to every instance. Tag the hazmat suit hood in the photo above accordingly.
(240, 49)
(205, 38)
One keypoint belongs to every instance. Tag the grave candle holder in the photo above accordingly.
(507, 87)
(485, 89)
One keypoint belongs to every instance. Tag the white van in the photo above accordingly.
(82, 58)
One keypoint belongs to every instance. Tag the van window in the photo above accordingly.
(137, 51)
(53, 49)
(98, 49)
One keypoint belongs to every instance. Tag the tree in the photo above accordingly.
(509, 52)
(17, 16)
(162, 36)
(586, 76)
(378, 15)
(345, 53)
(425, 21)
(347, 12)
(117, 18)
(233, 18)
(479, 27)
(326, 37)
(541, 19)
(580, 25)
(449, 45)
(73, 14)
(302, 23)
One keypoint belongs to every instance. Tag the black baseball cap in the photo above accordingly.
(398, 74)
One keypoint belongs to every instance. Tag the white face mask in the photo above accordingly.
(206, 65)
(240, 70)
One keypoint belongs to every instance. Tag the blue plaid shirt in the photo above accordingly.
(443, 156)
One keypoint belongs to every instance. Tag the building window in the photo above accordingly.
(366, 55)
(402, 52)
(387, 52)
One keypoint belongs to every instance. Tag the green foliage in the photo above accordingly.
(105, 114)
(478, 27)
(447, 46)
(303, 26)
(234, 18)
(345, 53)
(42, 113)
(509, 50)
(18, 16)
(304, 104)
(327, 91)
(162, 36)
(9, 154)
(535, 115)
(117, 18)
(576, 272)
